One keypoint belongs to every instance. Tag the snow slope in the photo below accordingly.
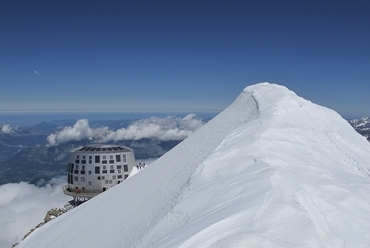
(271, 170)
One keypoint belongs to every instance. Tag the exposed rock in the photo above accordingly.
(50, 215)
(53, 213)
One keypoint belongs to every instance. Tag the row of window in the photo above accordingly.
(72, 179)
(72, 168)
(104, 159)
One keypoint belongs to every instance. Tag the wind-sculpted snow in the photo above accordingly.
(271, 170)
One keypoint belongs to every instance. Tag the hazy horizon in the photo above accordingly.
(29, 119)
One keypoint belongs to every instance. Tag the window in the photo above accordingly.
(124, 158)
(76, 179)
(98, 178)
(77, 161)
(104, 157)
(111, 161)
(119, 171)
(97, 159)
(111, 171)
(103, 178)
(104, 167)
(76, 166)
(114, 177)
(119, 176)
(110, 181)
(104, 161)
(89, 172)
(106, 181)
(111, 167)
(97, 170)
(118, 158)
(83, 172)
(104, 171)
(119, 167)
(83, 157)
(83, 167)
(76, 171)
(82, 179)
(125, 168)
(89, 183)
(126, 176)
(110, 156)
(78, 157)
(72, 165)
(83, 161)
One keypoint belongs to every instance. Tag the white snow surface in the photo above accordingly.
(271, 170)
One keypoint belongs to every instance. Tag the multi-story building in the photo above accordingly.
(94, 169)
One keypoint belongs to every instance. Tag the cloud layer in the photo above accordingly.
(23, 206)
(167, 128)
(78, 131)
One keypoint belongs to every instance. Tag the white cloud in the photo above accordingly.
(80, 130)
(167, 128)
(36, 72)
(23, 206)
(6, 128)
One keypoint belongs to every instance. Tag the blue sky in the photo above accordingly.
(180, 56)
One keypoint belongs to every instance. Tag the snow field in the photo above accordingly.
(271, 170)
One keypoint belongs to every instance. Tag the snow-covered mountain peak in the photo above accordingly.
(271, 170)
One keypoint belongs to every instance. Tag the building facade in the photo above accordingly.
(94, 169)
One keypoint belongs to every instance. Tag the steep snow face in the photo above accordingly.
(297, 176)
(271, 170)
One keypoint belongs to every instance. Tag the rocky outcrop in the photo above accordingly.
(50, 215)
(53, 213)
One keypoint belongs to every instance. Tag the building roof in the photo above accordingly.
(102, 148)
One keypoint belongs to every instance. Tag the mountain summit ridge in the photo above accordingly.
(272, 169)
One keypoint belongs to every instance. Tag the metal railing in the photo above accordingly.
(68, 191)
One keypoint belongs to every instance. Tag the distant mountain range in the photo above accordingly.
(362, 126)
(26, 156)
